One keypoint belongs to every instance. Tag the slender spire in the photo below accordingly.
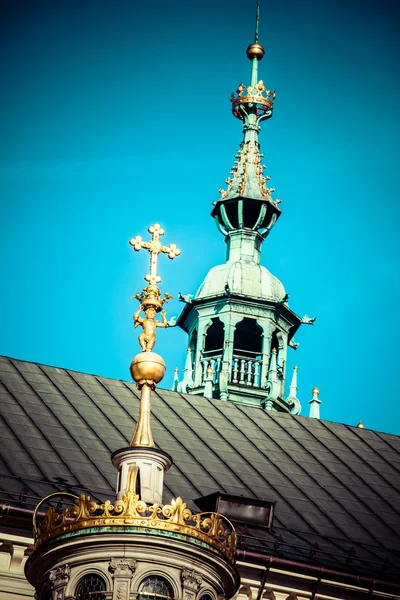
(176, 380)
(292, 399)
(187, 382)
(257, 22)
(251, 104)
(293, 385)
(255, 52)
(314, 404)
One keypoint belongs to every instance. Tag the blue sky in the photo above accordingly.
(116, 115)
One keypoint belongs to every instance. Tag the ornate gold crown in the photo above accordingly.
(256, 95)
(212, 528)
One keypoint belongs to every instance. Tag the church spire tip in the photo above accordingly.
(255, 52)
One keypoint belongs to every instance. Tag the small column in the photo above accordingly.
(224, 374)
(266, 350)
(314, 404)
(198, 371)
(122, 570)
(208, 382)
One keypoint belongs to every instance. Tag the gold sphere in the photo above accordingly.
(148, 366)
(315, 391)
(255, 51)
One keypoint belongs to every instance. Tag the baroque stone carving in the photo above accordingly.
(191, 580)
(122, 567)
(59, 576)
(121, 591)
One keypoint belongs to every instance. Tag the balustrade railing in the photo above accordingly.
(245, 371)
(215, 363)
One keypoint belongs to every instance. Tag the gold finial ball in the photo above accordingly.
(255, 51)
(315, 391)
(148, 366)
(360, 425)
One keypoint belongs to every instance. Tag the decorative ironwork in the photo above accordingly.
(211, 528)
(91, 587)
(154, 587)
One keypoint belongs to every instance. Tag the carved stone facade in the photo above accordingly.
(189, 570)
(191, 582)
(122, 570)
(59, 577)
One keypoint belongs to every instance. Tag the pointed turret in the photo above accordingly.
(187, 382)
(240, 312)
(247, 202)
(175, 380)
(292, 398)
(314, 404)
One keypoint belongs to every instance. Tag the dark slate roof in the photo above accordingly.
(336, 487)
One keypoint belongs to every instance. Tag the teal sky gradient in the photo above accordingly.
(116, 114)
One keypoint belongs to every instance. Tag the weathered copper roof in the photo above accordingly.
(336, 487)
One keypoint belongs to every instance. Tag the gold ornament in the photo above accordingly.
(210, 528)
(255, 51)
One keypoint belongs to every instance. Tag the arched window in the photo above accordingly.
(248, 339)
(193, 341)
(91, 587)
(214, 338)
(155, 587)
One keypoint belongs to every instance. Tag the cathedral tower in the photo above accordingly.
(239, 323)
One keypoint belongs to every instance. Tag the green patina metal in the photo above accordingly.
(241, 298)
(134, 531)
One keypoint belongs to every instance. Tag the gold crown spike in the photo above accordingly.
(253, 96)
(211, 528)
(148, 368)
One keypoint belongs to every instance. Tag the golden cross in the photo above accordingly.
(154, 246)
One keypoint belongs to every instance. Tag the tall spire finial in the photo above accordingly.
(257, 22)
(148, 368)
(255, 52)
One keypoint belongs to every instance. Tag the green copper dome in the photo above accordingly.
(242, 277)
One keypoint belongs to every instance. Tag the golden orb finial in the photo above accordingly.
(360, 425)
(255, 51)
(148, 368)
(315, 391)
